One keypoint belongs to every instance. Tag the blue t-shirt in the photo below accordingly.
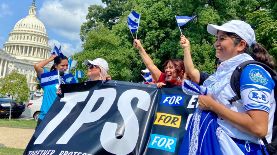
(49, 96)
(256, 86)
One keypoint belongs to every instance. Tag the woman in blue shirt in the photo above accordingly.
(50, 91)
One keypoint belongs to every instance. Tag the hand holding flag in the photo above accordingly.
(133, 22)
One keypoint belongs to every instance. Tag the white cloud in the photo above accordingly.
(4, 10)
(65, 17)
(67, 48)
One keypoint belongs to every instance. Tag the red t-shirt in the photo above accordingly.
(172, 82)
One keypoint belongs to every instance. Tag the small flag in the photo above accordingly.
(68, 78)
(79, 74)
(133, 21)
(183, 20)
(56, 51)
(49, 78)
(147, 75)
(192, 88)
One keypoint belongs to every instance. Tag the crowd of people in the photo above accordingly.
(238, 126)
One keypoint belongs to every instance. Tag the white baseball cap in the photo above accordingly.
(238, 27)
(98, 62)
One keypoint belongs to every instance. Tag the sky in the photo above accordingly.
(62, 19)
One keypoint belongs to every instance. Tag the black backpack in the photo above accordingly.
(235, 85)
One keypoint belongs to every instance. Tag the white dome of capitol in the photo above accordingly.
(31, 23)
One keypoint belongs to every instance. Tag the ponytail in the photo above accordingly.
(259, 53)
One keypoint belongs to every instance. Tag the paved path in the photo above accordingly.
(15, 137)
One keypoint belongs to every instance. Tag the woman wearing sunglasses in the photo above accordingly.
(97, 69)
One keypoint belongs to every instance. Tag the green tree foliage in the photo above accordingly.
(15, 84)
(109, 38)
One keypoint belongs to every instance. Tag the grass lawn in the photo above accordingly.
(10, 151)
(16, 123)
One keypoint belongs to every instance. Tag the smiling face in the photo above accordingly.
(226, 47)
(93, 72)
(170, 71)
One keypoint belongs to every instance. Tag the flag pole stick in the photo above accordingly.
(178, 26)
(59, 77)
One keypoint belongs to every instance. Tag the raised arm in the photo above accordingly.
(155, 72)
(39, 66)
(191, 71)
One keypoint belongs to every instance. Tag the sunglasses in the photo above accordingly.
(92, 66)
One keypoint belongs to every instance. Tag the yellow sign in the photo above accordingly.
(165, 119)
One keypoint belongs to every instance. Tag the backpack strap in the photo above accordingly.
(235, 78)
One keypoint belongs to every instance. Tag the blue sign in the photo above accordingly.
(172, 100)
(162, 142)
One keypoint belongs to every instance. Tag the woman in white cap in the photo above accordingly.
(234, 127)
(97, 69)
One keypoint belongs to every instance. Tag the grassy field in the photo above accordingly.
(10, 151)
(14, 123)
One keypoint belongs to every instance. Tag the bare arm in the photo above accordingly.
(155, 72)
(254, 122)
(192, 72)
(39, 66)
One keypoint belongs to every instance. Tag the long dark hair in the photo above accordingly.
(256, 50)
(57, 61)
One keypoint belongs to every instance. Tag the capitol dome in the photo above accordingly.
(28, 40)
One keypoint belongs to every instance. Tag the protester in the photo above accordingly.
(50, 91)
(194, 74)
(223, 127)
(97, 69)
(174, 70)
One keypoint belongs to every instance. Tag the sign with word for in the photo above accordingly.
(96, 118)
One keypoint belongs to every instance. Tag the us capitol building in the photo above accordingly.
(26, 45)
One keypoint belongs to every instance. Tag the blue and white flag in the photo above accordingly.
(183, 20)
(133, 21)
(192, 88)
(68, 78)
(49, 78)
(148, 77)
(79, 74)
(56, 51)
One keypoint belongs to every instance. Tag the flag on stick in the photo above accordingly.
(183, 20)
(133, 22)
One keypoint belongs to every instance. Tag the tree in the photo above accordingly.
(15, 84)
(160, 35)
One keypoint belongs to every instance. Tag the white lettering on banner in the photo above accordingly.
(127, 143)
(193, 100)
(188, 120)
(173, 99)
(70, 100)
(87, 116)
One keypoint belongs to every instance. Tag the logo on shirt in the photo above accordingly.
(257, 77)
(258, 96)
(162, 142)
(172, 100)
(168, 120)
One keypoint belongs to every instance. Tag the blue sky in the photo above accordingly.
(62, 19)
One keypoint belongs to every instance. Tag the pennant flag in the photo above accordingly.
(79, 74)
(49, 78)
(183, 20)
(133, 21)
(68, 78)
(192, 88)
